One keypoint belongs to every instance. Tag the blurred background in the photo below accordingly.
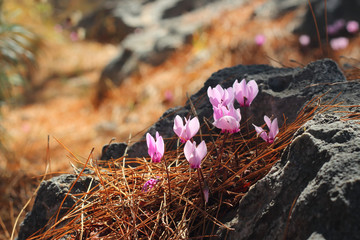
(88, 72)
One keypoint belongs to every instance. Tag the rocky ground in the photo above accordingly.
(63, 104)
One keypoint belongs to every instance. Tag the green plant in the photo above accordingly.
(17, 55)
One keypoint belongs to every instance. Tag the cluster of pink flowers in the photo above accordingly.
(226, 118)
(194, 154)
(335, 32)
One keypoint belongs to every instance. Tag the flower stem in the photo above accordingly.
(201, 189)
(223, 146)
(246, 120)
(168, 177)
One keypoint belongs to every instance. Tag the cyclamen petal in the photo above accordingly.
(267, 121)
(261, 132)
(274, 129)
(178, 126)
(150, 143)
(192, 127)
(160, 145)
(253, 90)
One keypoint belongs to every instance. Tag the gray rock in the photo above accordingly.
(277, 8)
(49, 197)
(103, 26)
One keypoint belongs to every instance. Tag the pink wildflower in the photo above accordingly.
(336, 27)
(195, 154)
(149, 184)
(304, 40)
(155, 148)
(218, 95)
(273, 130)
(227, 118)
(352, 27)
(187, 131)
(74, 36)
(339, 43)
(245, 93)
(260, 39)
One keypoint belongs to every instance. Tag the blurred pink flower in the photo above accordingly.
(155, 148)
(273, 130)
(150, 184)
(218, 95)
(58, 28)
(195, 154)
(339, 43)
(304, 40)
(352, 27)
(245, 93)
(336, 27)
(169, 96)
(260, 39)
(187, 131)
(74, 36)
(227, 118)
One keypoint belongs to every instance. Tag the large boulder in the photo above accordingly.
(313, 192)
(49, 197)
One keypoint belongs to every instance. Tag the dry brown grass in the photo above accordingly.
(117, 208)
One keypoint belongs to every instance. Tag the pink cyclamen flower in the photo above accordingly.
(339, 43)
(195, 154)
(352, 27)
(273, 130)
(187, 131)
(149, 184)
(74, 36)
(336, 27)
(227, 118)
(304, 40)
(218, 95)
(260, 39)
(245, 93)
(155, 148)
